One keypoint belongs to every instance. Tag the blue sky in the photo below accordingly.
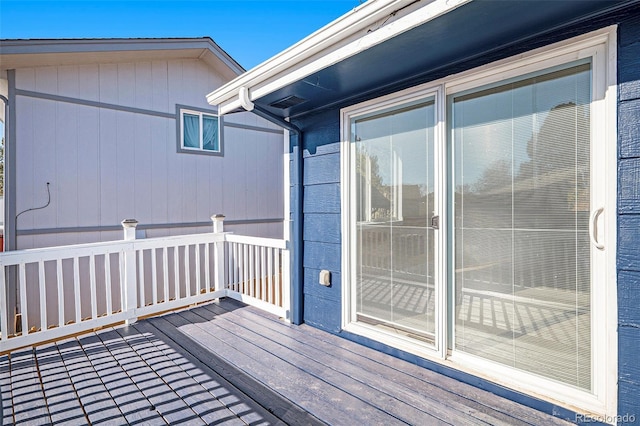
(251, 31)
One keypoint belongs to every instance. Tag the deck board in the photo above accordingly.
(395, 369)
(93, 395)
(104, 350)
(59, 392)
(228, 363)
(28, 399)
(231, 409)
(150, 382)
(400, 389)
(6, 409)
(205, 404)
(356, 381)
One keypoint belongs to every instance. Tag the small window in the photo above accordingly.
(199, 132)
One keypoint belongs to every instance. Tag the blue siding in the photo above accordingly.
(628, 125)
(322, 239)
(323, 198)
(629, 298)
(629, 219)
(332, 293)
(322, 216)
(322, 227)
(322, 255)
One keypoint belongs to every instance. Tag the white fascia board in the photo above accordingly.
(324, 48)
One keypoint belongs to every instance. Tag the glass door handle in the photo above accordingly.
(435, 222)
(593, 228)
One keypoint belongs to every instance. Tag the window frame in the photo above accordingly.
(600, 45)
(181, 110)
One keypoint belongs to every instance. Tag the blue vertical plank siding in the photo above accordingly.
(322, 222)
(628, 256)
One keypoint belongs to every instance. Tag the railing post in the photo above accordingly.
(218, 253)
(129, 286)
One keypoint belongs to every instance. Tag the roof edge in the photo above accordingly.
(321, 48)
(57, 46)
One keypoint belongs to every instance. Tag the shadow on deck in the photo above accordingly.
(227, 363)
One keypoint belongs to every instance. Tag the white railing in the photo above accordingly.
(256, 272)
(61, 291)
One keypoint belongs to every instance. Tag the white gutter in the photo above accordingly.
(331, 44)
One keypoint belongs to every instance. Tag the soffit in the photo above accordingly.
(470, 31)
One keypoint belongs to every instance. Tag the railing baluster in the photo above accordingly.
(123, 287)
(92, 286)
(165, 272)
(197, 269)
(207, 276)
(241, 265)
(236, 267)
(176, 271)
(278, 282)
(4, 309)
(262, 274)
(142, 301)
(76, 288)
(187, 271)
(107, 284)
(228, 283)
(245, 267)
(270, 276)
(23, 299)
(154, 278)
(43, 295)
(251, 280)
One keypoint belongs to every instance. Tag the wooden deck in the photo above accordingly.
(227, 363)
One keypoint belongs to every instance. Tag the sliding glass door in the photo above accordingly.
(393, 174)
(521, 190)
(479, 223)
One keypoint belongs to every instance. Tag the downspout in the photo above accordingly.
(297, 275)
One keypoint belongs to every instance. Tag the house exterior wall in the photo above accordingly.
(629, 215)
(322, 221)
(104, 137)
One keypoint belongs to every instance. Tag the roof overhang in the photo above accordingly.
(388, 42)
(16, 54)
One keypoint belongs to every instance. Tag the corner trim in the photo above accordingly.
(10, 166)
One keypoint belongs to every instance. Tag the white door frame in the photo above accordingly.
(601, 47)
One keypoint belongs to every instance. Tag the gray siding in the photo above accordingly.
(105, 165)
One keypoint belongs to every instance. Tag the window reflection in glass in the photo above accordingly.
(394, 175)
(521, 205)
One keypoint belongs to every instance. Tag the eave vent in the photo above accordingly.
(287, 102)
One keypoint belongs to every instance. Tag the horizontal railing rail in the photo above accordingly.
(49, 293)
